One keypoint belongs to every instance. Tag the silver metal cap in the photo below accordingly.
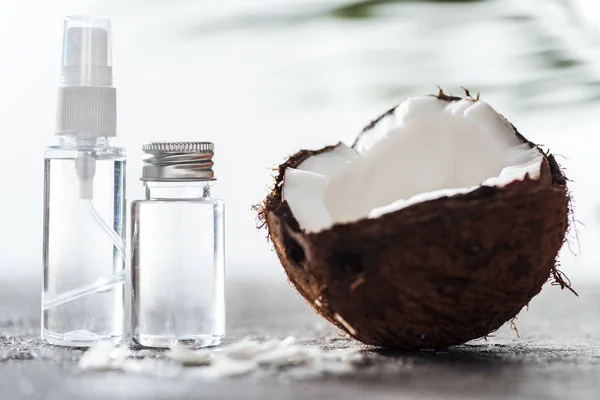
(178, 161)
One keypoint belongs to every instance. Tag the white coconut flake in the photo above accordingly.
(148, 366)
(237, 359)
(286, 355)
(288, 341)
(226, 367)
(342, 355)
(247, 348)
(185, 356)
(424, 150)
(333, 368)
(104, 355)
(250, 355)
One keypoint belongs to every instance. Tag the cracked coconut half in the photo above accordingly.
(436, 227)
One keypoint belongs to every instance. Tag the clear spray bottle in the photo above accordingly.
(83, 297)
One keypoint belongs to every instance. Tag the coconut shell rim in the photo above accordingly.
(557, 174)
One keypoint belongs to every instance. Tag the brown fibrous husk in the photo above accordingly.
(435, 274)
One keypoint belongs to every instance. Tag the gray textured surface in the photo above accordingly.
(558, 357)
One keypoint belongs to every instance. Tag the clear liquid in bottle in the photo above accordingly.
(84, 260)
(178, 268)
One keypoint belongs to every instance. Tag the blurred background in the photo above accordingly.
(264, 78)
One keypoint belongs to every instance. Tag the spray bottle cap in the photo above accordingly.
(86, 58)
(87, 99)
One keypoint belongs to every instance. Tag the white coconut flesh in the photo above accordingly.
(426, 149)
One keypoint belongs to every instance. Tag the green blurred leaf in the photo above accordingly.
(365, 8)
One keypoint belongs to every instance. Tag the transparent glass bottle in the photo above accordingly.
(84, 198)
(177, 250)
(84, 254)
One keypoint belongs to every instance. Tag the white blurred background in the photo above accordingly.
(263, 79)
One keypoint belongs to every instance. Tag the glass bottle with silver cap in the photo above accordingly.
(177, 249)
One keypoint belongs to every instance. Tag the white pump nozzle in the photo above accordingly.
(87, 58)
(87, 102)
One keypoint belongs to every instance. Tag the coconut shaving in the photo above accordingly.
(240, 358)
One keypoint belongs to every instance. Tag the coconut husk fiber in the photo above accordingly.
(432, 275)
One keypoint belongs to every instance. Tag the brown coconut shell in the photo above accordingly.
(435, 274)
